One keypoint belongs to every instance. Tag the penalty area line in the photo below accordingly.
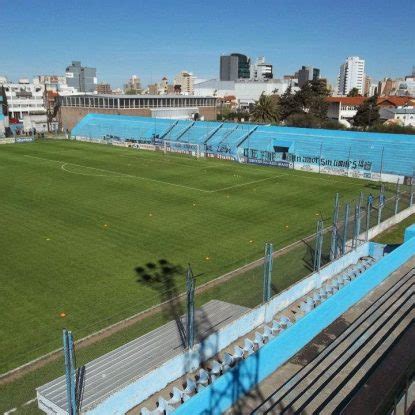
(119, 174)
(248, 183)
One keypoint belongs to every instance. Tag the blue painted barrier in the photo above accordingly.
(409, 233)
(226, 390)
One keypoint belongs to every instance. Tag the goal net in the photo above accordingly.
(191, 149)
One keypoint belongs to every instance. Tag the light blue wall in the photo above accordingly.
(122, 400)
(221, 395)
(366, 152)
(409, 233)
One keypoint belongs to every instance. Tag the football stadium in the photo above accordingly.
(182, 255)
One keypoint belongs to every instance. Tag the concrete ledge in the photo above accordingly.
(188, 361)
(226, 390)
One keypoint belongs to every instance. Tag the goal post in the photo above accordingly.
(192, 149)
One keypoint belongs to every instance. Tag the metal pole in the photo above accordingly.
(359, 213)
(333, 248)
(355, 228)
(190, 287)
(368, 220)
(69, 354)
(73, 374)
(381, 203)
(319, 245)
(267, 272)
(411, 199)
(345, 228)
(381, 163)
(397, 197)
(67, 370)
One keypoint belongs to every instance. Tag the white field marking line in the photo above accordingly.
(10, 411)
(248, 183)
(316, 178)
(88, 174)
(30, 402)
(123, 174)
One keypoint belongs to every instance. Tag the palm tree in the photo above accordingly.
(266, 109)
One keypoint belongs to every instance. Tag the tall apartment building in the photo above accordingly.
(133, 85)
(306, 74)
(352, 75)
(234, 66)
(228, 68)
(260, 70)
(82, 78)
(104, 88)
(186, 81)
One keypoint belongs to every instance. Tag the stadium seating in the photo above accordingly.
(265, 333)
(372, 152)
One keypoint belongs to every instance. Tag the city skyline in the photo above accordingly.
(120, 41)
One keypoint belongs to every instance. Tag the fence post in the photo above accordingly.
(333, 248)
(345, 228)
(267, 272)
(356, 226)
(381, 203)
(397, 197)
(369, 206)
(411, 198)
(190, 288)
(381, 163)
(318, 246)
(69, 353)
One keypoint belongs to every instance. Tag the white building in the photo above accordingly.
(352, 75)
(24, 98)
(186, 81)
(407, 87)
(215, 88)
(247, 92)
(2, 125)
(260, 70)
(404, 116)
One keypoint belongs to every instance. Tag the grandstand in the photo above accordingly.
(308, 349)
(375, 156)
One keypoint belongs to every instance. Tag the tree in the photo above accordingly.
(310, 99)
(354, 92)
(289, 104)
(266, 109)
(367, 114)
(3, 101)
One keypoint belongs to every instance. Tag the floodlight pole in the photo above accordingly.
(319, 246)
(333, 248)
(190, 321)
(70, 371)
(267, 272)
(345, 228)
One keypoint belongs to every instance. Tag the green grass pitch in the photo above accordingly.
(76, 219)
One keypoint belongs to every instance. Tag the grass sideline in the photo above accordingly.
(77, 219)
(394, 235)
(244, 290)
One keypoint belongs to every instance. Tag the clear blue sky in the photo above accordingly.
(153, 38)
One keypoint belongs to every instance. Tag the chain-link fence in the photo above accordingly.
(245, 284)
